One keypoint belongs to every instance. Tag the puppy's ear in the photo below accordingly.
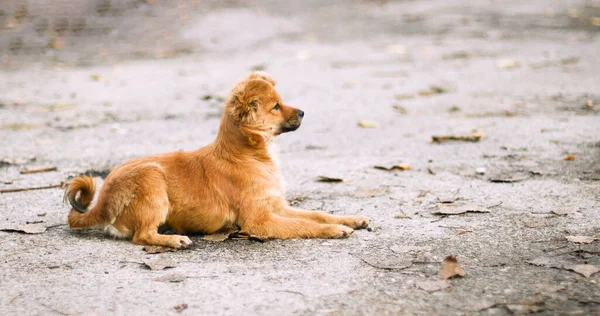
(262, 75)
(241, 109)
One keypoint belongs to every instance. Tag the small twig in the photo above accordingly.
(495, 205)
(15, 297)
(36, 170)
(293, 292)
(54, 309)
(52, 186)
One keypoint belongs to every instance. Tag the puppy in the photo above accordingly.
(232, 183)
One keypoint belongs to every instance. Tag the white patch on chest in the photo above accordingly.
(274, 150)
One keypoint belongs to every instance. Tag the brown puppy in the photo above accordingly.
(233, 182)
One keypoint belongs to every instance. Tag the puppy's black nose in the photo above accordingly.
(300, 113)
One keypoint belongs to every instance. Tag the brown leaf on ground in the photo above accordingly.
(329, 179)
(36, 228)
(368, 124)
(181, 307)
(580, 239)
(157, 249)
(38, 169)
(570, 157)
(160, 263)
(217, 237)
(401, 166)
(448, 210)
(474, 137)
(403, 216)
(584, 269)
(400, 109)
(171, 278)
(433, 286)
(450, 268)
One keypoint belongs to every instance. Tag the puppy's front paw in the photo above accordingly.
(181, 242)
(338, 231)
(357, 222)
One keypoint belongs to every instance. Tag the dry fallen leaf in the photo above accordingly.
(450, 268)
(217, 237)
(368, 124)
(171, 278)
(433, 286)
(96, 77)
(581, 239)
(570, 157)
(160, 263)
(584, 269)
(402, 166)
(449, 210)
(329, 179)
(181, 307)
(157, 249)
(27, 229)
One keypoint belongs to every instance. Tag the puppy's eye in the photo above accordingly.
(276, 107)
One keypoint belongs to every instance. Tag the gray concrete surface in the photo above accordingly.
(524, 73)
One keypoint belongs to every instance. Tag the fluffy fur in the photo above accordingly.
(232, 182)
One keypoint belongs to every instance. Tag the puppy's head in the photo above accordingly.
(255, 105)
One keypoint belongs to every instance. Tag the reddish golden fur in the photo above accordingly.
(231, 182)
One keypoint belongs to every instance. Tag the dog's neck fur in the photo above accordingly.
(242, 141)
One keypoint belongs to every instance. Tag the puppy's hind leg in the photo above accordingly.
(149, 210)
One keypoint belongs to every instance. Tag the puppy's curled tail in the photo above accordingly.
(80, 194)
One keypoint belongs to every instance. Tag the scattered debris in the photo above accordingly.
(402, 166)
(38, 169)
(480, 171)
(403, 216)
(297, 199)
(448, 210)
(454, 109)
(581, 239)
(329, 179)
(157, 249)
(433, 90)
(181, 307)
(564, 212)
(36, 228)
(461, 231)
(457, 55)
(508, 64)
(400, 109)
(171, 278)
(160, 263)
(584, 269)
(433, 286)
(315, 147)
(474, 137)
(34, 222)
(431, 171)
(526, 308)
(61, 185)
(96, 77)
(570, 157)
(41, 214)
(368, 124)
(450, 268)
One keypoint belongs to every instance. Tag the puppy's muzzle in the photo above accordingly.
(293, 122)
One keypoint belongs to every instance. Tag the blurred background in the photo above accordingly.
(87, 32)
